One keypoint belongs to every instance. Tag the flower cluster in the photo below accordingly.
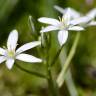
(71, 20)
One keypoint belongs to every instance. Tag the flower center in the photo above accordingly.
(11, 54)
(63, 23)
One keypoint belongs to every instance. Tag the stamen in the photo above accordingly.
(60, 19)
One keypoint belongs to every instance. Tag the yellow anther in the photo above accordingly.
(62, 19)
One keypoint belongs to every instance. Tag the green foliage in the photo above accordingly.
(15, 14)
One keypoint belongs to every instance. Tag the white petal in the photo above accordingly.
(28, 46)
(73, 13)
(2, 51)
(66, 17)
(12, 40)
(92, 13)
(92, 23)
(76, 28)
(62, 36)
(49, 28)
(80, 20)
(2, 59)
(9, 63)
(28, 58)
(49, 21)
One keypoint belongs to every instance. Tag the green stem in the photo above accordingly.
(31, 72)
(52, 84)
(60, 78)
(53, 88)
(57, 55)
(70, 83)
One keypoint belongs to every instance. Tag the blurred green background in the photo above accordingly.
(14, 14)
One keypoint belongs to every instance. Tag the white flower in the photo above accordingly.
(9, 55)
(63, 25)
(92, 13)
(79, 18)
(86, 20)
(73, 13)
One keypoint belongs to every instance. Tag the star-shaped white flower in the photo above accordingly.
(63, 25)
(86, 20)
(79, 18)
(9, 55)
(73, 13)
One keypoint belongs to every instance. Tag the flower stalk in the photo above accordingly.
(57, 55)
(53, 88)
(60, 78)
(52, 84)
